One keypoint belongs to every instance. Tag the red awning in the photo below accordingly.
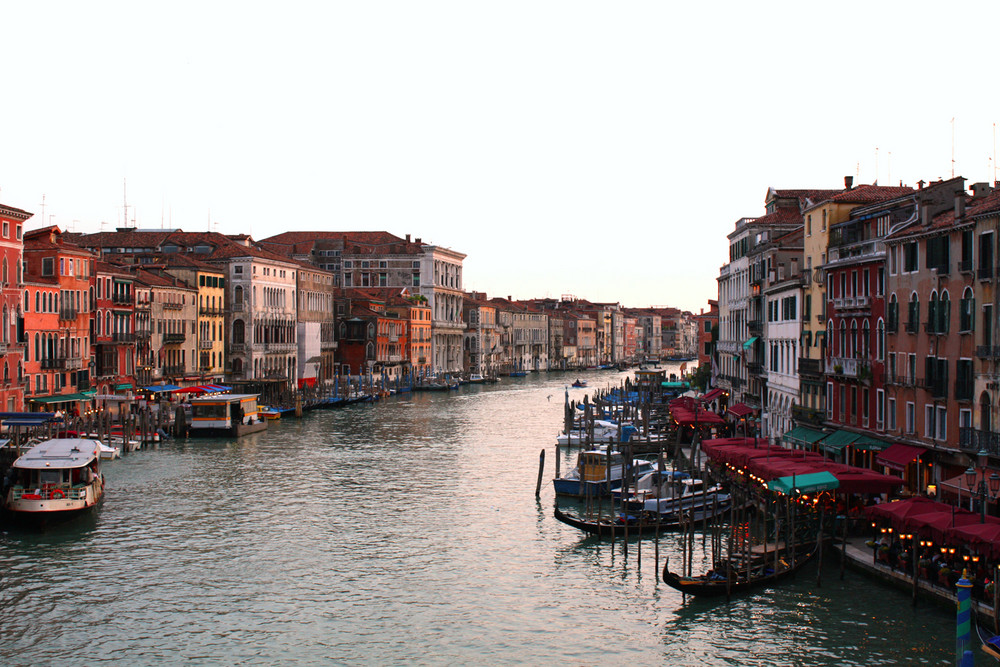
(741, 409)
(712, 395)
(898, 455)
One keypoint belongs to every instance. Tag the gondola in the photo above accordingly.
(644, 523)
(989, 641)
(761, 572)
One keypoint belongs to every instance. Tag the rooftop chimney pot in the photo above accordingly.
(848, 182)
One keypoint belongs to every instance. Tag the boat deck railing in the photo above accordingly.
(50, 492)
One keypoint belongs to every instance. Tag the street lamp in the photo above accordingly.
(985, 493)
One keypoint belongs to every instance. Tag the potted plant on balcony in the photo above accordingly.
(838, 369)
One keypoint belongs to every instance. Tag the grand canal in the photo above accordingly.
(404, 531)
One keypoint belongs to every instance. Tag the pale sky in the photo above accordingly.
(600, 149)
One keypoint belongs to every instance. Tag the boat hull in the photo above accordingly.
(706, 587)
(236, 431)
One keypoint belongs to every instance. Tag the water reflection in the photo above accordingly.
(403, 531)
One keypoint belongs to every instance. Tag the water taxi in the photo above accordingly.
(55, 479)
(224, 415)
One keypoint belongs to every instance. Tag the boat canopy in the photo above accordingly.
(60, 453)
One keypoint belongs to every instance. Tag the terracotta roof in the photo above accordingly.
(353, 243)
(870, 194)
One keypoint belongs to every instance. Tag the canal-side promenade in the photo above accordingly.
(403, 532)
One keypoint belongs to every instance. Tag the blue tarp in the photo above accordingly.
(161, 387)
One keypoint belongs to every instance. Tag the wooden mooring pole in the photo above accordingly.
(541, 470)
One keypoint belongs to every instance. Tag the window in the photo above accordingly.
(891, 410)
(913, 322)
(911, 259)
(829, 400)
(892, 315)
(48, 266)
(942, 422)
(879, 409)
(910, 418)
(985, 269)
(966, 308)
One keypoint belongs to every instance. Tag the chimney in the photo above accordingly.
(959, 205)
(848, 182)
(925, 215)
(980, 190)
(407, 238)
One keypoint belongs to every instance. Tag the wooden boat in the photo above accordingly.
(761, 572)
(644, 523)
(580, 383)
(989, 641)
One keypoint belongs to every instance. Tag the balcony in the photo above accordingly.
(842, 366)
(67, 314)
(756, 369)
(123, 337)
(172, 306)
(280, 347)
(175, 369)
(53, 364)
(74, 364)
(205, 344)
(973, 440)
(900, 380)
(238, 348)
(988, 351)
(810, 367)
(143, 334)
(122, 299)
(3, 349)
(210, 312)
(174, 338)
(756, 327)
(804, 415)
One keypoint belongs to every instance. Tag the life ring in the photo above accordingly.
(60, 492)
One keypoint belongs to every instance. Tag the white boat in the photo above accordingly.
(686, 495)
(109, 453)
(55, 479)
(604, 431)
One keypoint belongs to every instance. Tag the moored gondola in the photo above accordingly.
(730, 579)
(643, 523)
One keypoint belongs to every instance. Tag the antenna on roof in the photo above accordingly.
(124, 202)
(953, 147)
(876, 165)
(43, 209)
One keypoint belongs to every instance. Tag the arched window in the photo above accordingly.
(913, 314)
(866, 340)
(880, 340)
(967, 309)
(843, 338)
(853, 351)
(932, 312)
(38, 302)
(944, 313)
(239, 332)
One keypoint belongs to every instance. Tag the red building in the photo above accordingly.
(706, 323)
(11, 294)
(114, 329)
(58, 275)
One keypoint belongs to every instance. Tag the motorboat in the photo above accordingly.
(580, 383)
(604, 432)
(686, 496)
(598, 472)
(55, 479)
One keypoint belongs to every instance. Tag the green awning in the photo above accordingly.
(675, 385)
(748, 342)
(837, 440)
(809, 483)
(125, 385)
(62, 398)
(870, 444)
(803, 435)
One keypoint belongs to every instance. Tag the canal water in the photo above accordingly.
(405, 531)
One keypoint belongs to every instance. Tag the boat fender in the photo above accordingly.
(60, 492)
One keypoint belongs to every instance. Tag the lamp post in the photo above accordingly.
(986, 493)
